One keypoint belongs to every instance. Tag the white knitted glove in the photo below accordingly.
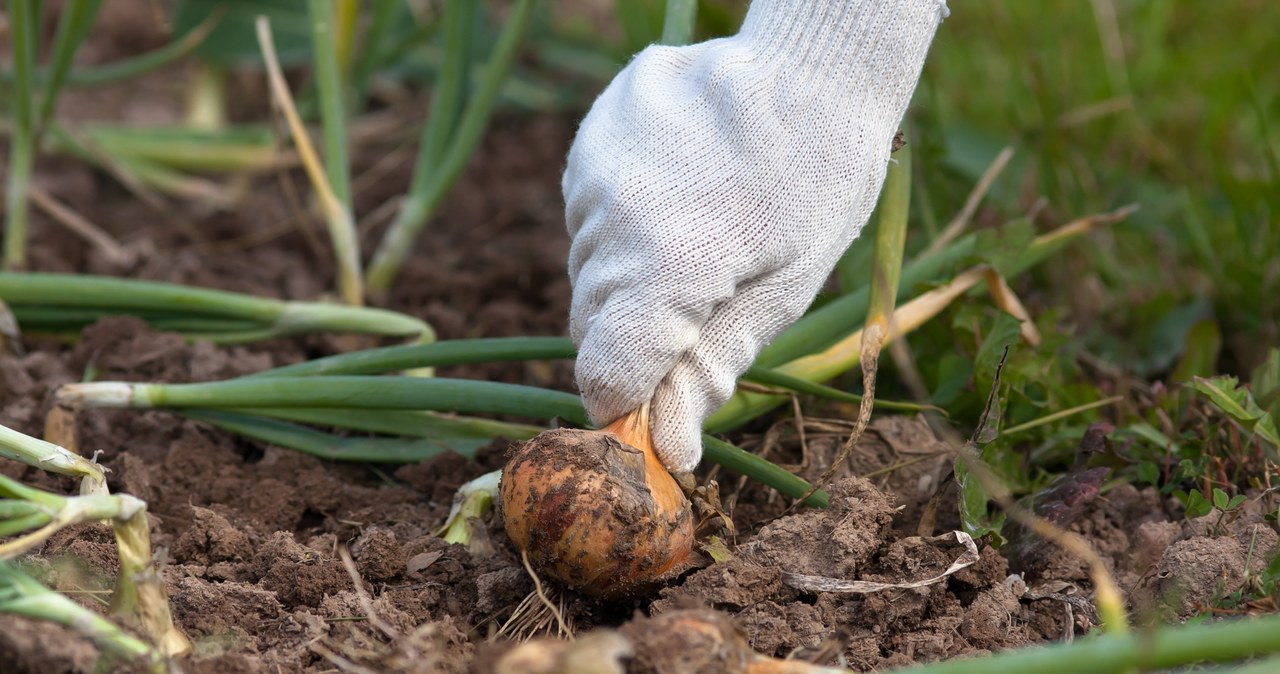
(711, 190)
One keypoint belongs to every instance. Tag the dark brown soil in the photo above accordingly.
(251, 536)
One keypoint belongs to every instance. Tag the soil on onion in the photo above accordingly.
(251, 535)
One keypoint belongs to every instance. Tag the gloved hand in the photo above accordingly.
(712, 188)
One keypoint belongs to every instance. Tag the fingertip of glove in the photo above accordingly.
(677, 436)
(680, 457)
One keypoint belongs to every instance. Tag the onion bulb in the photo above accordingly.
(597, 510)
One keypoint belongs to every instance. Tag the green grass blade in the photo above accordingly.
(1059, 415)
(638, 23)
(12, 509)
(436, 354)
(140, 176)
(890, 241)
(45, 456)
(56, 319)
(677, 23)
(232, 149)
(1270, 665)
(73, 27)
(303, 317)
(73, 290)
(326, 445)
(447, 104)
(23, 35)
(13, 489)
(407, 43)
(333, 108)
(398, 242)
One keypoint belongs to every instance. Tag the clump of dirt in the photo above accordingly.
(853, 539)
(32, 646)
(1206, 562)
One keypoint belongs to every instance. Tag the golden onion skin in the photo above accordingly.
(599, 515)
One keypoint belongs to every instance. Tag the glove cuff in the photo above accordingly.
(856, 45)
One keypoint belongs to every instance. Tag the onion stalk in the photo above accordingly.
(441, 162)
(66, 303)
(44, 455)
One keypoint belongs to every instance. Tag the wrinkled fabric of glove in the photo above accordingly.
(712, 188)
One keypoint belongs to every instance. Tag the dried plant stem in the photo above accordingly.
(958, 223)
(342, 229)
(886, 271)
(82, 227)
(1007, 300)
(140, 592)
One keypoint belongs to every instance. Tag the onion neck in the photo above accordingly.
(633, 429)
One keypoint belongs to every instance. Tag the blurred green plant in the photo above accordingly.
(32, 113)
(453, 129)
